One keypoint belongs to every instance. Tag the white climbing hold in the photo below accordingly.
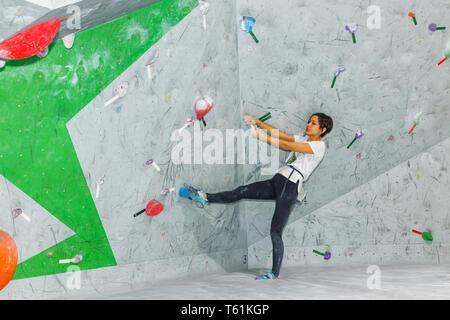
(69, 40)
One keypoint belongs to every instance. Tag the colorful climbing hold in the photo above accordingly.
(153, 208)
(69, 40)
(425, 235)
(8, 258)
(29, 42)
(151, 61)
(76, 259)
(202, 107)
(416, 121)
(166, 191)
(151, 162)
(326, 255)
(352, 29)
(204, 8)
(433, 27)
(413, 15)
(446, 53)
(120, 91)
(336, 74)
(265, 117)
(188, 123)
(18, 212)
(358, 135)
(247, 24)
(43, 53)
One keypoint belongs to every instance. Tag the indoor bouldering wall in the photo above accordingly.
(76, 161)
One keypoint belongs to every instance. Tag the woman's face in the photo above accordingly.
(313, 127)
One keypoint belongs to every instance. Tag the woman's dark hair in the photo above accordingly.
(324, 122)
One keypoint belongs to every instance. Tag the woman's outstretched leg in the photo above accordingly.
(262, 190)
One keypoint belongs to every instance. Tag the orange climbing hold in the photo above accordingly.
(8, 258)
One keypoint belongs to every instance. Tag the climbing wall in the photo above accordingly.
(87, 141)
(364, 199)
(77, 159)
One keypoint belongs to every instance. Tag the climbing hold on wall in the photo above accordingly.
(358, 135)
(416, 121)
(413, 16)
(153, 208)
(247, 24)
(29, 42)
(69, 40)
(352, 29)
(76, 259)
(326, 255)
(336, 74)
(99, 183)
(202, 107)
(189, 121)
(152, 163)
(433, 27)
(265, 117)
(152, 60)
(120, 91)
(446, 53)
(8, 258)
(425, 235)
(43, 53)
(166, 191)
(447, 50)
(204, 8)
(18, 212)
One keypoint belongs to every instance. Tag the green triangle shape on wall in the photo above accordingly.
(38, 101)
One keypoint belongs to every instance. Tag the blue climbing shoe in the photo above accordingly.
(191, 193)
(267, 276)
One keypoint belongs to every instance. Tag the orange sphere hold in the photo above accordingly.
(8, 258)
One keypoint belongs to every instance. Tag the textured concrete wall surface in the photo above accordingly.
(371, 224)
(391, 75)
(77, 167)
(72, 141)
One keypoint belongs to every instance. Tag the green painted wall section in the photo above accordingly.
(37, 99)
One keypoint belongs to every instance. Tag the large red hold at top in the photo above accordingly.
(29, 42)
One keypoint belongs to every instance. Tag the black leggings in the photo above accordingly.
(267, 190)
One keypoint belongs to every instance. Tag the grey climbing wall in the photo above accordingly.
(361, 202)
(114, 142)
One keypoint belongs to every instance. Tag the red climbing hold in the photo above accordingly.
(29, 42)
(202, 107)
(153, 208)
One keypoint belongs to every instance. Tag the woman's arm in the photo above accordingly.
(272, 131)
(283, 144)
